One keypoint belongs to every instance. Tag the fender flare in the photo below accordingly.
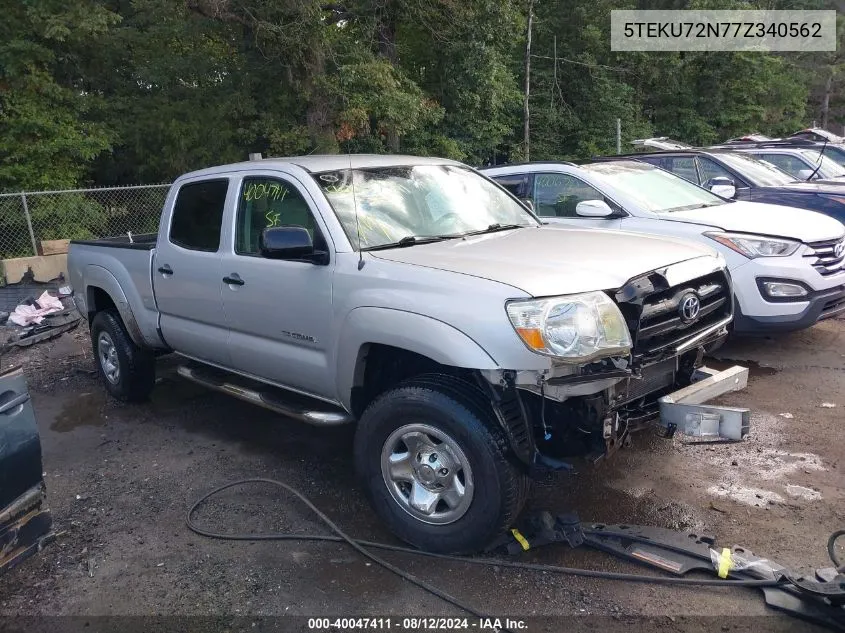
(409, 331)
(98, 277)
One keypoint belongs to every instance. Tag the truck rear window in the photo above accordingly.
(198, 215)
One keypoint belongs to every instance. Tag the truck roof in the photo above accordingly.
(326, 162)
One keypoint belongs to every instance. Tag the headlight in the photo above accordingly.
(755, 245)
(574, 328)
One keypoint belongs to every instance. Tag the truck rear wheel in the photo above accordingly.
(434, 465)
(127, 371)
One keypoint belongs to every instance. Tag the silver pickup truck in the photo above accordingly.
(472, 344)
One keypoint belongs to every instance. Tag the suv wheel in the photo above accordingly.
(434, 464)
(127, 371)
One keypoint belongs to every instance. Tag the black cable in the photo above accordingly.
(360, 546)
(341, 536)
(831, 550)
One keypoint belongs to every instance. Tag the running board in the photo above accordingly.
(281, 401)
(684, 410)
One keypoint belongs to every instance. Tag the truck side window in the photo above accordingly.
(198, 215)
(265, 203)
(557, 195)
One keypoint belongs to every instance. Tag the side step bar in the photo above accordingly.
(281, 401)
(683, 410)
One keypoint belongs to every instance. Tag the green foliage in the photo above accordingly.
(47, 136)
(128, 91)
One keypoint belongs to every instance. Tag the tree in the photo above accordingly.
(47, 135)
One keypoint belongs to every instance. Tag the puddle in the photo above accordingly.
(84, 410)
(599, 500)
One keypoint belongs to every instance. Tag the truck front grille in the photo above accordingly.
(662, 317)
(825, 258)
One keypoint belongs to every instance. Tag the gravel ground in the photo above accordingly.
(120, 479)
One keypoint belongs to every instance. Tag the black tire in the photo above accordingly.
(136, 365)
(461, 411)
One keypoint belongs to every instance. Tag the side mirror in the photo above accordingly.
(290, 243)
(804, 174)
(593, 209)
(528, 202)
(721, 186)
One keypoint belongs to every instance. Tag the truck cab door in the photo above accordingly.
(556, 197)
(187, 279)
(279, 311)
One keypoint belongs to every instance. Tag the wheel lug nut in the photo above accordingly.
(432, 458)
(444, 471)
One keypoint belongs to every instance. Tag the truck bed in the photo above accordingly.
(122, 269)
(144, 242)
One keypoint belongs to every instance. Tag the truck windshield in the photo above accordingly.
(416, 204)
(650, 188)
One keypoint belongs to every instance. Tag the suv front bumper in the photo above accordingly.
(817, 306)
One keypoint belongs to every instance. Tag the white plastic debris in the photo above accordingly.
(788, 416)
(827, 405)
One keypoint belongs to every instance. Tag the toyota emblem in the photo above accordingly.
(689, 308)
(839, 249)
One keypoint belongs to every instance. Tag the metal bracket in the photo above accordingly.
(684, 411)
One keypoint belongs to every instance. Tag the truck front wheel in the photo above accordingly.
(127, 371)
(434, 465)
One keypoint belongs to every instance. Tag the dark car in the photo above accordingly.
(750, 178)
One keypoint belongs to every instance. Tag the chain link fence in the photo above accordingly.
(28, 218)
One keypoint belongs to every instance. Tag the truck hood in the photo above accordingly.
(763, 219)
(549, 260)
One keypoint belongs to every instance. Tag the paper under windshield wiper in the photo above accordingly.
(408, 240)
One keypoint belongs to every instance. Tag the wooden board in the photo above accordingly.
(54, 247)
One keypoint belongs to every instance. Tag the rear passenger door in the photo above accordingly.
(186, 272)
(556, 196)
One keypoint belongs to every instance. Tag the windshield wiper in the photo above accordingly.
(819, 161)
(408, 240)
(495, 227)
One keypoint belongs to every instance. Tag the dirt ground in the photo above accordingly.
(120, 479)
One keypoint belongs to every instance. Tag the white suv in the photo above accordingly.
(786, 263)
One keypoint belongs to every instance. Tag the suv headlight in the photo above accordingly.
(574, 328)
(755, 245)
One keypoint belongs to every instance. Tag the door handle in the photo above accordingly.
(165, 270)
(14, 403)
(233, 280)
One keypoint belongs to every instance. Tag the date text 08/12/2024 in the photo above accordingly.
(417, 624)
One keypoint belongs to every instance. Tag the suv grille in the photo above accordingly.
(825, 259)
(656, 316)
